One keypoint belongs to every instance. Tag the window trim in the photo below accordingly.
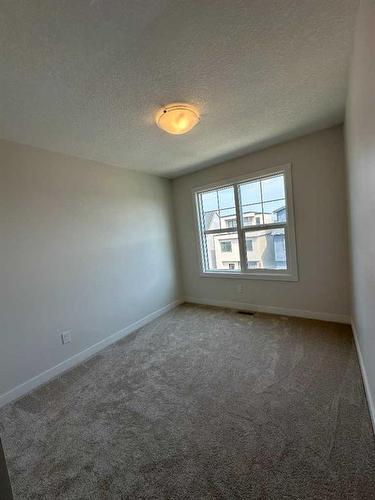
(290, 274)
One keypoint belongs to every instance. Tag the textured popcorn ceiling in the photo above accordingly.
(86, 77)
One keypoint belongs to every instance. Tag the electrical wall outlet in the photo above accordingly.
(66, 337)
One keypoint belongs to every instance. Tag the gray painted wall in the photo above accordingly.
(360, 138)
(84, 247)
(320, 214)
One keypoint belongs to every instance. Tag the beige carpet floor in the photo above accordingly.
(202, 403)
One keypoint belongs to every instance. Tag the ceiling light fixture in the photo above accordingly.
(177, 118)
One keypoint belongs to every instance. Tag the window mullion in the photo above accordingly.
(266, 227)
(241, 237)
(261, 199)
(226, 230)
(203, 242)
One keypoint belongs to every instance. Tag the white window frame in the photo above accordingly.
(289, 274)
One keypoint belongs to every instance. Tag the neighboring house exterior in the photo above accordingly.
(265, 249)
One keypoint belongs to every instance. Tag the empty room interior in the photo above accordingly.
(187, 249)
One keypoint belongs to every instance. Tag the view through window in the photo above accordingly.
(244, 226)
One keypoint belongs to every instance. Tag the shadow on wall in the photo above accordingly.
(5, 487)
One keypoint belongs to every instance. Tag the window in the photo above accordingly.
(231, 223)
(252, 218)
(249, 245)
(226, 246)
(252, 264)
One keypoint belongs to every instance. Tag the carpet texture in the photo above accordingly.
(202, 403)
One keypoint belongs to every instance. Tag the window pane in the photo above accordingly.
(228, 212)
(222, 252)
(226, 197)
(273, 188)
(274, 211)
(211, 220)
(267, 250)
(250, 193)
(271, 208)
(228, 218)
(209, 201)
(252, 215)
(218, 207)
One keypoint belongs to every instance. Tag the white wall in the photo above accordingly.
(360, 138)
(83, 247)
(320, 214)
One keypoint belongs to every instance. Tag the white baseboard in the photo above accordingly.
(283, 311)
(46, 376)
(366, 384)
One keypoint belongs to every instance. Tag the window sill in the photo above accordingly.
(251, 276)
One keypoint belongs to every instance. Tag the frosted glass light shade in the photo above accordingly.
(177, 118)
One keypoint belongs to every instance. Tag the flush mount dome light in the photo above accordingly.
(177, 118)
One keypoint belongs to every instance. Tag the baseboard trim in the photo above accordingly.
(283, 311)
(370, 401)
(47, 375)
